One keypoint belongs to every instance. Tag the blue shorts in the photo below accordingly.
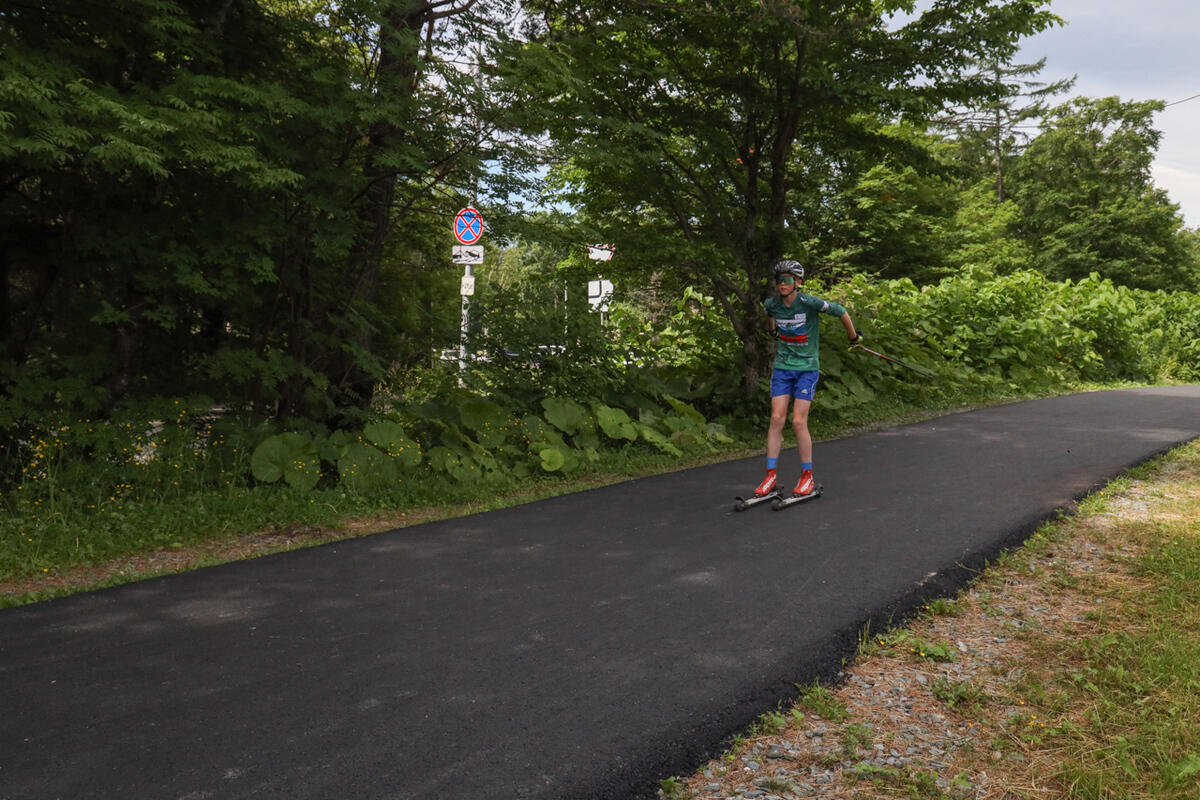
(800, 385)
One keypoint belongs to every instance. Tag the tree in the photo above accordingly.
(983, 232)
(991, 134)
(707, 138)
(229, 197)
(1088, 203)
(896, 220)
(136, 147)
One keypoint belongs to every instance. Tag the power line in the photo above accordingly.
(1184, 100)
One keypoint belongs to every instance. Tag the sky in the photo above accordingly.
(1136, 50)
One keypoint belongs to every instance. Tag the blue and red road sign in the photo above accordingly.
(468, 226)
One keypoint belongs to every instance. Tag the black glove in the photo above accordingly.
(858, 337)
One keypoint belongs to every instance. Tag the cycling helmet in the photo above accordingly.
(788, 267)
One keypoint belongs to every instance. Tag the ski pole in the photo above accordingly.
(919, 370)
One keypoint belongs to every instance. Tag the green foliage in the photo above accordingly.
(983, 232)
(389, 437)
(78, 491)
(989, 134)
(615, 423)
(683, 344)
(565, 414)
(966, 693)
(1088, 202)
(919, 648)
(980, 333)
(820, 701)
(216, 197)
(291, 456)
(895, 224)
(672, 788)
(705, 142)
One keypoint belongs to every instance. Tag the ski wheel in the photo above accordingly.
(739, 505)
(777, 504)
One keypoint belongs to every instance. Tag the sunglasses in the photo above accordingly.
(788, 279)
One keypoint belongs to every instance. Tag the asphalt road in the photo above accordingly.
(579, 647)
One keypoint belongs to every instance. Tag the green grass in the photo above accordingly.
(820, 701)
(914, 784)
(1112, 708)
(1139, 676)
(956, 694)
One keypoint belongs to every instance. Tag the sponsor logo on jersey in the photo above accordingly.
(795, 330)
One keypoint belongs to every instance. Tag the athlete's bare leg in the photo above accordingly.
(779, 409)
(800, 423)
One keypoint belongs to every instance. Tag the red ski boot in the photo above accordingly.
(806, 486)
(767, 490)
(806, 489)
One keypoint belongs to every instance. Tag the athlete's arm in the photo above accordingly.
(851, 331)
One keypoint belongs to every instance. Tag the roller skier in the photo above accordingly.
(795, 323)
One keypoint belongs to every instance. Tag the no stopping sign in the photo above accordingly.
(468, 226)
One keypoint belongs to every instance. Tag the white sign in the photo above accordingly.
(467, 254)
(467, 289)
(599, 293)
(600, 252)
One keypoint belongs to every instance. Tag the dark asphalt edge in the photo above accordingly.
(640, 781)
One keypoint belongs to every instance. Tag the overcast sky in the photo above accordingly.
(1137, 50)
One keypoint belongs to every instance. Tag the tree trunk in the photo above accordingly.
(746, 316)
(126, 346)
(398, 73)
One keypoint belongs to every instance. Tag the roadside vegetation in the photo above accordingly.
(1068, 669)
(182, 474)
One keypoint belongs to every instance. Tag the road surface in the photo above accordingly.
(584, 646)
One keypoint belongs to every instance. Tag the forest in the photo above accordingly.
(226, 270)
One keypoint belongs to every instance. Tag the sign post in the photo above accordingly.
(600, 290)
(600, 252)
(468, 230)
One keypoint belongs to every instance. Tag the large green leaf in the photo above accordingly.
(552, 459)
(291, 456)
(334, 445)
(389, 437)
(615, 423)
(656, 438)
(454, 462)
(565, 414)
(363, 467)
(490, 423)
(685, 410)
(533, 428)
(269, 460)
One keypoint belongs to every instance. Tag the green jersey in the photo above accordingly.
(799, 329)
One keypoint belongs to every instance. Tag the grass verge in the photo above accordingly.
(1068, 669)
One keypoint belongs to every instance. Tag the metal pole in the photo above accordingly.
(468, 279)
(468, 276)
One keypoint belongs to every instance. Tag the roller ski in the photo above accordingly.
(766, 491)
(807, 489)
